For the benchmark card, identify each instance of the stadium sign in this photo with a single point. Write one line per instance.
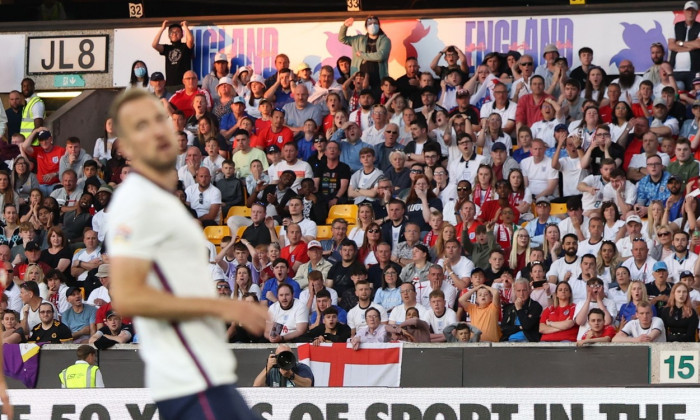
(67, 54)
(392, 403)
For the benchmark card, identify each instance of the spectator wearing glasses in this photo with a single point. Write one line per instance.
(502, 106)
(537, 226)
(653, 186)
(521, 86)
(50, 330)
(638, 165)
(465, 167)
(633, 227)
(595, 298)
(383, 150)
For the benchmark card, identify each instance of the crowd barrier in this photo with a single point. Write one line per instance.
(448, 365)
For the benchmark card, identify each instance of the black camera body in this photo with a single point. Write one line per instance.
(285, 360)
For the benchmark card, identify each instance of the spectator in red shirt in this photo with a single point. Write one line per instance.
(183, 98)
(528, 111)
(47, 156)
(295, 252)
(276, 134)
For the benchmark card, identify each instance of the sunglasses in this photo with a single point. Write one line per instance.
(222, 286)
(319, 141)
(416, 171)
(373, 231)
(390, 132)
(529, 63)
(201, 198)
(662, 234)
(462, 188)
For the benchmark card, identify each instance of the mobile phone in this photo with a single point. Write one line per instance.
(537, 284)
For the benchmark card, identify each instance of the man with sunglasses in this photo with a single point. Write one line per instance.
(384, 149)
(653, 186)
(537, 226)
(521, 87)
(626, 245)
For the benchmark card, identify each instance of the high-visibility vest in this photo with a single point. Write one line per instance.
(27, 125)
(79, 375)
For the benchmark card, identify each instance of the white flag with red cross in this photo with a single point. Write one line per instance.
(338, 365)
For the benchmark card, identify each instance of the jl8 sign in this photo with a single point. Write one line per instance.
(68, 54)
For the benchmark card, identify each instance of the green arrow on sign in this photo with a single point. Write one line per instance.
(68, 80)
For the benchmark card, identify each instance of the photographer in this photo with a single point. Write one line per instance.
(283, 371)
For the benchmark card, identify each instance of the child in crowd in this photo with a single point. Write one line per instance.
(435, 225)
(214, 160)
(306, 143)
(484, 314)
(449, 85)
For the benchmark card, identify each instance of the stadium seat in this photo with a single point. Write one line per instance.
(342, 211)
(323, 232)
(558, 208)
(216, 233)
(240, 231)
(237, 211)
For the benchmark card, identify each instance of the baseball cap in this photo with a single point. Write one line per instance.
(220, 57)
(157, 76)
(462, 93)
(498, 146)
(542, 200)
(273, 149)
(690, 5)
(302, 66)
(659, 101)
(314, 244)
(103, 271)
(71, 290)
(111, 313)
(478, 269)
(573, 203)
(550, 48)
(560, 127)
(673, 178)
(32, 246)
(105, 188)
(685, 273)
(256, 78)
(44, 135)
(238, 100)
(697, 78)
(660, 265)
(633, 218)
(696, 103)
(224, 81)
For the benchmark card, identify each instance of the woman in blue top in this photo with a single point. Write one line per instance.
(389, 295)
(636, 293)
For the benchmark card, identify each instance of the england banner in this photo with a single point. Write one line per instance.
(338, 365)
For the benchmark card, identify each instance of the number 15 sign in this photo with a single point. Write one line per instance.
(67, 54)
(679, 366)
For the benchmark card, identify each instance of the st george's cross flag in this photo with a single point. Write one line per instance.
(338, 365)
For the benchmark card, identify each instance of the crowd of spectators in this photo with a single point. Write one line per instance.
(517, 203)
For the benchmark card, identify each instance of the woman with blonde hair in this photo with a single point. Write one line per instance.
(654, 220)
(447, 232)
(636, 294)
(551, 245)
(365, 217)
(519, 251)
(36, 274)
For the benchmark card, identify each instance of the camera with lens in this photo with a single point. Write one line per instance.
(285, 360)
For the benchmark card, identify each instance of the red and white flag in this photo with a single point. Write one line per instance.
(339, 365)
